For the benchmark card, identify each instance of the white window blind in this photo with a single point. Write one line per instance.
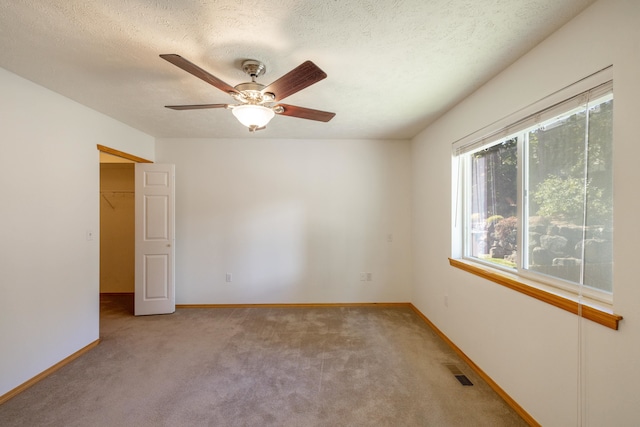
(572, 96)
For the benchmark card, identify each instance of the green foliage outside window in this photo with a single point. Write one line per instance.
(563, 199)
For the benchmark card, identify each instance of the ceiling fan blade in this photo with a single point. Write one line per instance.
(306, 113)
(295, 80)
(192, 68)
(195, 107)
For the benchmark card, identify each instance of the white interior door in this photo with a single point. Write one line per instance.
(155, 249)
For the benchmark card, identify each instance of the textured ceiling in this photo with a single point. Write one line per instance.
(393, 65)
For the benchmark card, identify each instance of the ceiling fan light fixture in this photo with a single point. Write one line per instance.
(253, 116)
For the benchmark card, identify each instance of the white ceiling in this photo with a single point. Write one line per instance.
(393, 65)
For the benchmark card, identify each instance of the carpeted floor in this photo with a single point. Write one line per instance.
(325, 366)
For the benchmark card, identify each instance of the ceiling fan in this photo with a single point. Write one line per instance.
(258, 104)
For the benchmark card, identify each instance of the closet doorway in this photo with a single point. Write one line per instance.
(117, 223)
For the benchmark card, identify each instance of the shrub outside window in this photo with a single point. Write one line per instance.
(538, 200)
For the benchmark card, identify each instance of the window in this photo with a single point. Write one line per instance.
(535, 197)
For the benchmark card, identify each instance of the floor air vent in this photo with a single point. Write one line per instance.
(458, 374)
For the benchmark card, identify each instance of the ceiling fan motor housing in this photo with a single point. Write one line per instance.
(251, 92)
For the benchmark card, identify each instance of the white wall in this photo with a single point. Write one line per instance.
(49, 178)
(293, 221)
(529, 348)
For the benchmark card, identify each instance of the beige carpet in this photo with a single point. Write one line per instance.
(355, 366)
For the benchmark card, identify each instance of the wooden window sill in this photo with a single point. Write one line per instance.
(588, 310)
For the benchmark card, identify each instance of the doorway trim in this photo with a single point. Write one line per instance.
(122, 154)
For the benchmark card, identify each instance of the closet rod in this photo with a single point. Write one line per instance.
(117, 192)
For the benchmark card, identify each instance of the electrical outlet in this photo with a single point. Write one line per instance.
(446, 300)
(363, 276)
(369, 277)
(229, 277)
